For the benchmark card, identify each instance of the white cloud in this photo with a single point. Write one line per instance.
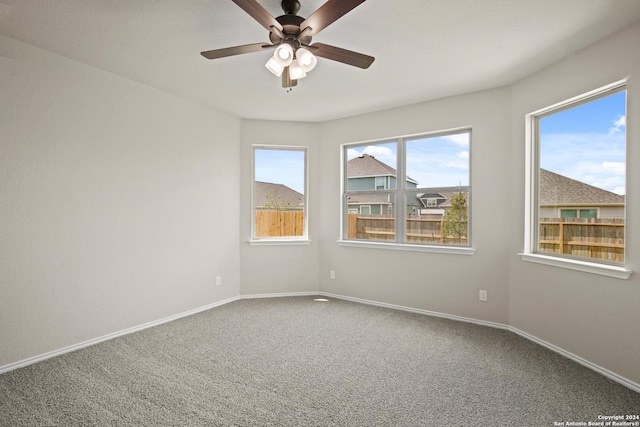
(378, 150)
(597, 159)
(463, 154)
(372, 150)
(617, 168)
(618, 125)
(458, 165)
(352, 153)
(460, 139)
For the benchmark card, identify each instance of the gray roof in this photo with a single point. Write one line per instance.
(367, 165)
(556, 189)
(289, 196)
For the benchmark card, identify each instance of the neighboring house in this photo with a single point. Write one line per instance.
(267, 195)
(364, 173)
(435, 205)
(562, 197)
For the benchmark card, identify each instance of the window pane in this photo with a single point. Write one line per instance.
(371, 217)
(428, 205)
(582, 163)
(588, 213)
(372, 167)
(446, 223)
(438, 161)
(278, 192)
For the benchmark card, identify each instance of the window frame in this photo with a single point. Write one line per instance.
(284, 240)
(532, 167)
(399, 194)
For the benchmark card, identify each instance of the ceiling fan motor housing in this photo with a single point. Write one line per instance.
(293, 33)
(291, 29)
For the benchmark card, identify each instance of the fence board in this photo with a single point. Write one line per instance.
(382, 228)
(596, 238)
(589, 238)
(272, 223)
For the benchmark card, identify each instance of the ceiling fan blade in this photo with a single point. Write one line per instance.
(327, 14)
(259, 13)
(237, 50)
(343, 55)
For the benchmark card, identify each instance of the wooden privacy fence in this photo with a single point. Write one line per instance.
(588, 238)
(272, 223)
(419, 230)
(596, 238)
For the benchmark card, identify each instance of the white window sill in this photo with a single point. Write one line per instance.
(279, 242)
(584, 266)
(454, 250)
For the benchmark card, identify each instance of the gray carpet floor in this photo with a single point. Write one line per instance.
(298, 362)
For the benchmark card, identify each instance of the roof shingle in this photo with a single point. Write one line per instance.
(557, 189)
(290, 197)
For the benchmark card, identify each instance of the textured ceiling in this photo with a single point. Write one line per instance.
(424, 49)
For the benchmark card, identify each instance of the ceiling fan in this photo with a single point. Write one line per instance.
(290, 36)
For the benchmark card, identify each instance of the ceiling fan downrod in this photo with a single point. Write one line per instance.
(290, 7)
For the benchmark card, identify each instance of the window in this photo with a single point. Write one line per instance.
(279, 196)
(577, 181)
(425, 180)
(578, 213)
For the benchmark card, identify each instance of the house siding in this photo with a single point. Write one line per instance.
(355, 184)
(612, 212)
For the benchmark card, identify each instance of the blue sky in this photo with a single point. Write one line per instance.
(280, 167)
(432, 161)
(587, 142)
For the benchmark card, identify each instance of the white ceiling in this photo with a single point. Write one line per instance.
(424, 49)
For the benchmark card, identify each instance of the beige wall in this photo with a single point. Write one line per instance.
(591, 316)
(118, 203)
(276, 269)
(435, 282)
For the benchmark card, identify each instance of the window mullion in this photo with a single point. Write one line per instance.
(401, 186)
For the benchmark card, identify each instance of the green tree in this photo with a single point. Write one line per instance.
(276, 202)
(455, 220)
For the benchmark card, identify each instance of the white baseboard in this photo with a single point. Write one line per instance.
(74, 347)
(599, 369)
(607, 373)
(417, 310)
(280, 295)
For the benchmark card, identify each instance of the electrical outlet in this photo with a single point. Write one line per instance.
(332, 274)
(483, 295)
(218, 280)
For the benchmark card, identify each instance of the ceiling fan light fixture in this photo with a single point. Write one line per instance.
(306, 59)
(296, 72)
(274, 66)
(290, 38)
(283, 54)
